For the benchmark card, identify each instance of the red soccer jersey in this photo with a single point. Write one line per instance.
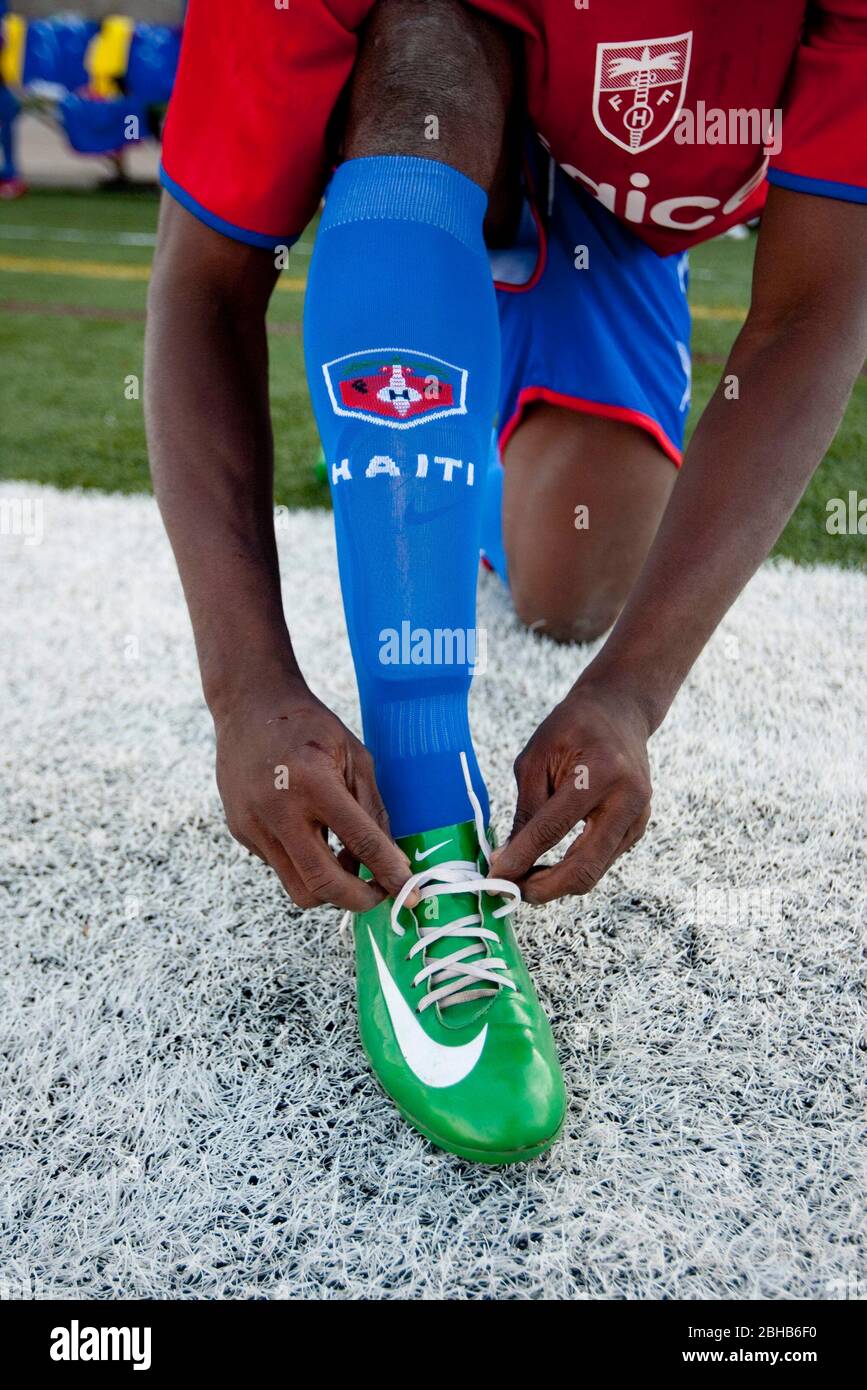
(670, 112)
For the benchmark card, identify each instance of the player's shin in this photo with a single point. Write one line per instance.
(402, 349)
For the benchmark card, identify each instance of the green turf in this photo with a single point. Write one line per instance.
(64, 417)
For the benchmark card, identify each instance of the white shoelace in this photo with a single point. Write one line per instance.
(460, 977)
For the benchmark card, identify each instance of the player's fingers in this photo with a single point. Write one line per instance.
(250, 846)
(591, 855)
(366, 793)
(347, 860)
(371, 845)
(275, 856)
(634, 833)
(323, 879)
(545, 829)
(531, 777)
(368, 797)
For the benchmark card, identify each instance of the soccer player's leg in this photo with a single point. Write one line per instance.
(583, 497)
(402, 346)
(11, 185)
(596, 385)
(403, 359)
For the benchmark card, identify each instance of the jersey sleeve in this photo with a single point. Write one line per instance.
(823, 146)
(245, 139)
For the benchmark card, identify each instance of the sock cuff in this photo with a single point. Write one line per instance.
(405, 188)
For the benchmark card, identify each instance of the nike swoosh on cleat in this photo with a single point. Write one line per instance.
(421, 854)
(433, 1063)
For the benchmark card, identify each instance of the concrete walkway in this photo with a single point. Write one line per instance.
(47, 161)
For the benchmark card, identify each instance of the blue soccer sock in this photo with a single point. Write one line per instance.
(8, 169)
(402, 348)
(493, 544)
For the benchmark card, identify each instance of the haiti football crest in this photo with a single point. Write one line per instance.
(395, 387)
(639, 88)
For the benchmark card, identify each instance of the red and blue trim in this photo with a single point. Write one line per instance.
(219, 224)
(822, 188)
(531, 394)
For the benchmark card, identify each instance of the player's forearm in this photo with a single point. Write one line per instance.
(210, 447)
(747, 466)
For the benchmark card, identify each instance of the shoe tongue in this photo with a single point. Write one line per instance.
(432, 847)
(425, 851)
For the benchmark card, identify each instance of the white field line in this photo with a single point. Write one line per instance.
(84, 236)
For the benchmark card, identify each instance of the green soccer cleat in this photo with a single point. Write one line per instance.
(448, 1014)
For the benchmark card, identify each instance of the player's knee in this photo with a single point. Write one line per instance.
(554, 615)
(432, 78)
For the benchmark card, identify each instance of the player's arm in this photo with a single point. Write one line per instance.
(209, 436)
(795, 362)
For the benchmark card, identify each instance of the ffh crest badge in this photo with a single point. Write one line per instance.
(395, 387)
(639, 89)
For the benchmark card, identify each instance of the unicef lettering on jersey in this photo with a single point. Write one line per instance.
(636, 204)
(666, 142)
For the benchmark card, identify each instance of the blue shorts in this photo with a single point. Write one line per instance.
(610, 339)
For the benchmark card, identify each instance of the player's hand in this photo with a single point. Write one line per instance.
(288, 771)
(587, 761)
